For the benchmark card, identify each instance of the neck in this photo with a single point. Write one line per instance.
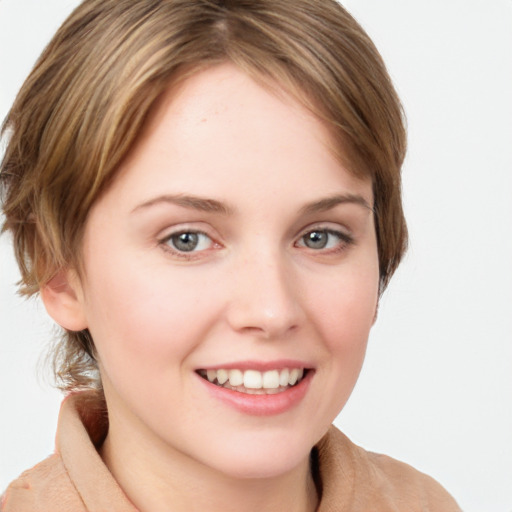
(156, 478)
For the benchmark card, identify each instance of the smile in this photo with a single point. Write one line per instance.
(254, 382)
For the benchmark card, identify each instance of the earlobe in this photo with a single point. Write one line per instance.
(63, 300)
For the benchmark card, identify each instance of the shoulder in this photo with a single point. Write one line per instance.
(363, 480)
(412, 486)
(46, 486)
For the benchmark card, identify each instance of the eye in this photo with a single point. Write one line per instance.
(318, 239)
(189, 241)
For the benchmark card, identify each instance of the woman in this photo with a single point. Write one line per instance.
(207, 197)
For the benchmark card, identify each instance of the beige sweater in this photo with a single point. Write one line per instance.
(75, 479)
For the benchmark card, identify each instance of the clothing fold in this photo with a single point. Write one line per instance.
(75, 479)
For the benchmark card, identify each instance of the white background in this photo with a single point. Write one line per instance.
(436, 390)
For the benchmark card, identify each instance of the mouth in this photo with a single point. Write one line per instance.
(254, 382)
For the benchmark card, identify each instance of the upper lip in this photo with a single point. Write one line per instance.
(261, 366)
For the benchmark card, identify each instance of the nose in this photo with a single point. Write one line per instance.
(265, 298)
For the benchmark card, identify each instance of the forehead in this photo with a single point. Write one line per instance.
(220, 127)
(221, 92)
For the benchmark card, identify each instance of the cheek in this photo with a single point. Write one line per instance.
(346, 307)
(140, 319)
(344, 314)
(345, 318)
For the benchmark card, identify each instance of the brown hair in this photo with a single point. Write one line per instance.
(82, 107)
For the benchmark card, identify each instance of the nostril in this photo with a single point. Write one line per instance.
(265, 300)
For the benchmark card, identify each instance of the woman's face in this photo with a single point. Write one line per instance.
(232, 245)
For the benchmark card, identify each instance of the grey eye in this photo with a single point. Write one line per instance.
(319, 239)
(316, 239)
(189, 241)
(185, 242)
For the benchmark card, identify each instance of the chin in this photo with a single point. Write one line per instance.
(262, 457)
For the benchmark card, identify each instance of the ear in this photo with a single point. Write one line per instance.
(63, 299)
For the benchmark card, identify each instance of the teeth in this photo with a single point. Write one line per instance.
(236, 378)
(294, 375)
(284, 375)
(222, 376)
(255, 380)
(271, 379)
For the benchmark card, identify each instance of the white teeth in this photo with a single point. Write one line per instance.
(236, 377)
(253, 379)
(270, 381)
(294, 375)
(222, 376)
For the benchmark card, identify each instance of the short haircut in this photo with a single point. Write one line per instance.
(83, 106)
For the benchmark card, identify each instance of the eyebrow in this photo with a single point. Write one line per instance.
(188, 201)
(329, 203)
(214, 206)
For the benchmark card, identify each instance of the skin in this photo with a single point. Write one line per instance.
(251, 291)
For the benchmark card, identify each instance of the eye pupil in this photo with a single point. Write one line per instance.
(185, 242)
(316, 239)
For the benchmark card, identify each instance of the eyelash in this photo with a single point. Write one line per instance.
(186, 255)
(345, 240)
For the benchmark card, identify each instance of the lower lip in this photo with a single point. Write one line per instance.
(261, 405)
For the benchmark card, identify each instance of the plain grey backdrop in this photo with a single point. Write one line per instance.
(436, 389)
